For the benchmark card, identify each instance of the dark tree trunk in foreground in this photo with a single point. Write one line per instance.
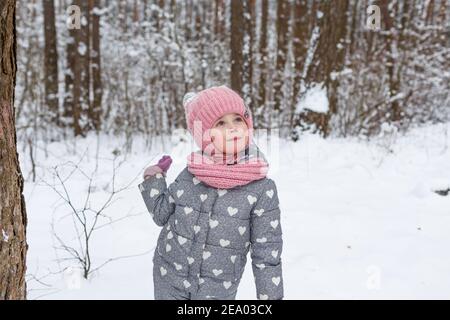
(13, 246)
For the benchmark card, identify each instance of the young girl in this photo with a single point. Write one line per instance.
(219, 207)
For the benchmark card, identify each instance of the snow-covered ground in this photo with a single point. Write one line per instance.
(360, 219)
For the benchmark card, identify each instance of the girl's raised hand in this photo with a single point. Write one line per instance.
(164, 163)
(161, 167)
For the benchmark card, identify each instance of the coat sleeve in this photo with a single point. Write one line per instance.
(158, 198)
(267, 244)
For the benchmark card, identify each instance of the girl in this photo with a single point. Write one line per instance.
(219, 207)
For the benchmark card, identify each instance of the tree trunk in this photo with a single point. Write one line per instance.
(263, 63)
(51, 60)
(391, 42)
(95, 64)
(237, 38)
(282, 50)
(13, 219)
(249, 27)
(300, 48)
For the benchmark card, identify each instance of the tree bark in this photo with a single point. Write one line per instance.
(51, 60)
(13, 219)
(95, 64)
(237, 38)
(282, 50)
(262, 62)
(249, 27)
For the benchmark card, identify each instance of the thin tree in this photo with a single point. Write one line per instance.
(282, 21)
(95, 65)
(263, 56)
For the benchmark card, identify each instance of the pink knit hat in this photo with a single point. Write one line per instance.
(205, 107)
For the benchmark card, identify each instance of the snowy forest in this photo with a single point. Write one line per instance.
(339, 68)
(351, 99)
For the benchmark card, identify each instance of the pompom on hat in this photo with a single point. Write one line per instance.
(203, 108)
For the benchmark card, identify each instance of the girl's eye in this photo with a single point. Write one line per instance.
(220, 123)
(239, 119)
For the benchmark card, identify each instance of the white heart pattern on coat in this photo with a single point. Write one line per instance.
(275, 253)
(227, 284)
(213, 223)
(178, 266)
(261, 240)
(263, 296)
(276, 280)
(242, 230)
(181, 240)
(169, 235)
(217, 272)
(203, 197)
(221, 192)
(195, 181)
(232, 211)
(163, 271)
(187, 210)
(274, 224)
(168, 247)
(206, 255)
(180, 193)
(224, 242)
(251, 199)
(186, 284)
(269, 193)
(153, 192)
(258, 212)
(190, 260)
(233, 258)
(196, 229)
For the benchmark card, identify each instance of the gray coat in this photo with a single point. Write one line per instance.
(207, 233)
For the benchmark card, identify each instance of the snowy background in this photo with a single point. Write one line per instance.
(359, 96)
(360, 218)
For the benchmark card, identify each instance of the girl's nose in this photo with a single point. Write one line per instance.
(231, 127)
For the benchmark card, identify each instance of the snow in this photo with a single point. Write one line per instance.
(314, 99)
(99, 11)
(360, 219)
(82, 48)
(5, 236)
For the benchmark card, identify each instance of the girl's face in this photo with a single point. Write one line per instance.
(229, 133)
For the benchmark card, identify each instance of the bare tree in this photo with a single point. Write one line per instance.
(87, 219)
(13, 219)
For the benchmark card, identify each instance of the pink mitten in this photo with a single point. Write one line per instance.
(164, 163)
(151, 171)
(162, 167)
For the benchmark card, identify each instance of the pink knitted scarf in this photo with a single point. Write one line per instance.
(225, 172)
